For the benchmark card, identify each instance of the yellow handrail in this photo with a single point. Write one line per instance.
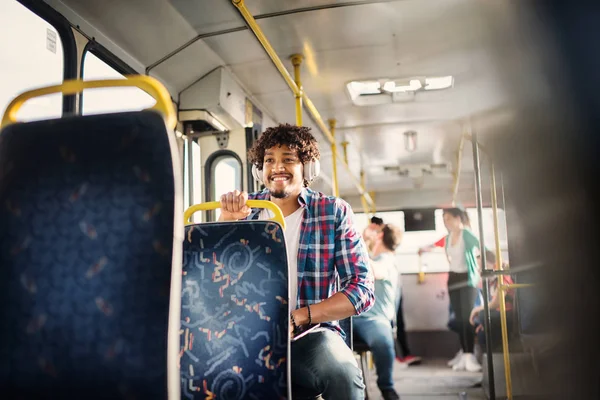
(504, 329)
(213, 205)
(308, 104)
(456, 176)
(296, 62)
(148, 84)
(334, 176)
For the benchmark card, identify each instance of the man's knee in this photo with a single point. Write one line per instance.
(331, 362)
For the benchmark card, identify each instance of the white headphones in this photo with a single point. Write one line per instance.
(311, 171)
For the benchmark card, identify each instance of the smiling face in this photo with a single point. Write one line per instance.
(282, 172)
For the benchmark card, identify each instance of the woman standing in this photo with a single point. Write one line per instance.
(462, 248)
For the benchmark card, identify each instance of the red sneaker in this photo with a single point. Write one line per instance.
(409, 360)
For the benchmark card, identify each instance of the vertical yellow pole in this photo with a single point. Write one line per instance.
(456, 181)
(421, 274)
(362, 197)
(501, 287)
(296, 62)
(495, 213)
(345, 148)
(373, 206)
(503, 326)
(334, 179)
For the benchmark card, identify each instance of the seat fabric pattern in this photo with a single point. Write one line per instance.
(234, 328)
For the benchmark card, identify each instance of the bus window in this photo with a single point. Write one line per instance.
(31, 56)
(192, 177)
(98, 101)
(436, 260)
(226, 176)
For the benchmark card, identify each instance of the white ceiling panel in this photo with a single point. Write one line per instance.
(147, 29)
(370, 40)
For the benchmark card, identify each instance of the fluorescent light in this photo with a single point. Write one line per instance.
(364, 88)
(413, 85)
(439, 82)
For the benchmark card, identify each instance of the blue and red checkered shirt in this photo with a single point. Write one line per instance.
(329, 247)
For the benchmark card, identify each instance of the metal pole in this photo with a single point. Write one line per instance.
(334, 178)
(362, 198)
(345, 147)
(455, 184)
(503, 323)
(296, 62)
(504, 330)
(495, 214)
(486, 283)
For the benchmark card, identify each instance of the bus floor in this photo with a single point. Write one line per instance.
(431, 379)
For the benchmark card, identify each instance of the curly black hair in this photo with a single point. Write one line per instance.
(298, 138)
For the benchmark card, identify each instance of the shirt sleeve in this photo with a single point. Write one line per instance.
(351, 260)
(441, 242)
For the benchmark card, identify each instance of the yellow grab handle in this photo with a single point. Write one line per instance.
(213, 205)
(148, 84)
(421, 275)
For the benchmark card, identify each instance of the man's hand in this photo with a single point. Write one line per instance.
(233, 206)
(474, 314)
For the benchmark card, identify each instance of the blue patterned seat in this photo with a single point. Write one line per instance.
(88, 244)
(234, 318)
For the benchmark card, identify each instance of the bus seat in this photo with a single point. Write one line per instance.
(90, 237)
(234, 316)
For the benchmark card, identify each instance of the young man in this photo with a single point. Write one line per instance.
(322, 243)
(374, 327)
(403, 354)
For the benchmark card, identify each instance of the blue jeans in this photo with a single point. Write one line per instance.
(322, 363)
(377, 334)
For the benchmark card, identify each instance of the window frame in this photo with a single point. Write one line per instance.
(104, 55)
(67, 38)
(209, 172)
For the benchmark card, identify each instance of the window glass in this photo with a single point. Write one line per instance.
(106, 100)
(31, 56)
(226, 173)
(436, 260)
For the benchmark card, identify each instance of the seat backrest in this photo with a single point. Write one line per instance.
(234, 316)
(90, 237)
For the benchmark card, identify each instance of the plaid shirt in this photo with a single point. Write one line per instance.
(329, 247)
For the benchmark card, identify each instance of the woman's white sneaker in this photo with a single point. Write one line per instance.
(461, 364)
(456, 359)
(471, 363)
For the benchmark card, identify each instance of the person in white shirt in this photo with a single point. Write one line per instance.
(374, 327)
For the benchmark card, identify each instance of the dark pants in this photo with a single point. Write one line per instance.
(462, 299)
(401, 332)
(377, 334)
(322, 363)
